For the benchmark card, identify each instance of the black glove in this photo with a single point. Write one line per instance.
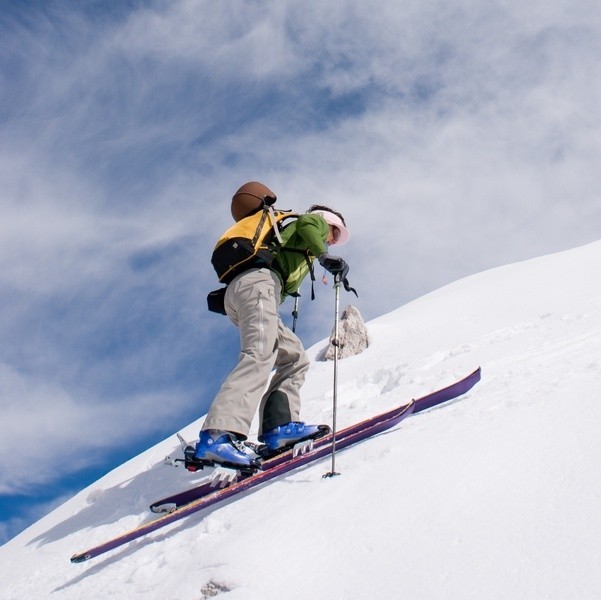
(338, 267)
(334, 264)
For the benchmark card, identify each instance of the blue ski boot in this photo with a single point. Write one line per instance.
(291, 433)
(219, 448)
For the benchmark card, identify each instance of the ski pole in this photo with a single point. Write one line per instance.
(295, 313)
(335, 343)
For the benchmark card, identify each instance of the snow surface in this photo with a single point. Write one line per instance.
(496, 495)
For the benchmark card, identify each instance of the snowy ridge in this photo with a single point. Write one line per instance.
(494, 496)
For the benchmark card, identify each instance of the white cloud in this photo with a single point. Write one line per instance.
(452, 137)
(47, 431)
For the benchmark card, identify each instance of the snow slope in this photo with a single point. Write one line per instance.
(496, 495)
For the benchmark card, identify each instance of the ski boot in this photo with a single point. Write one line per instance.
(284, 436)
(219, 448)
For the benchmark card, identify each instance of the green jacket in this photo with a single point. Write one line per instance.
(307, 233)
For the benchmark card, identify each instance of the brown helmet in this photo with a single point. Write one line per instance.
(249, 198)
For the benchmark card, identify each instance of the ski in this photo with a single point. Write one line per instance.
(179, 499)
(285, 463)
(243, 485)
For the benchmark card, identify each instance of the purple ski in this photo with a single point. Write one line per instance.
(284, 463)
(179, 499)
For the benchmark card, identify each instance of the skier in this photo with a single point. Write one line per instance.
(251, 302)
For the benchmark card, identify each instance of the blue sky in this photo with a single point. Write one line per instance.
(453, 137)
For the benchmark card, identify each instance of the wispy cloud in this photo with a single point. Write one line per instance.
(49, 430)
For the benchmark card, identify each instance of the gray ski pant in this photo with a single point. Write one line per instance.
(251, 301)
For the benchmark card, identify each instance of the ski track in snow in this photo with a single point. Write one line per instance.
(495, 495)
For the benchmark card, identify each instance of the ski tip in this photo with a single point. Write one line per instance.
(474, 377)
(79, 558)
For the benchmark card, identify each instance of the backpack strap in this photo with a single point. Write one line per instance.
(260, 225)
(276, 228)
(307, 256)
